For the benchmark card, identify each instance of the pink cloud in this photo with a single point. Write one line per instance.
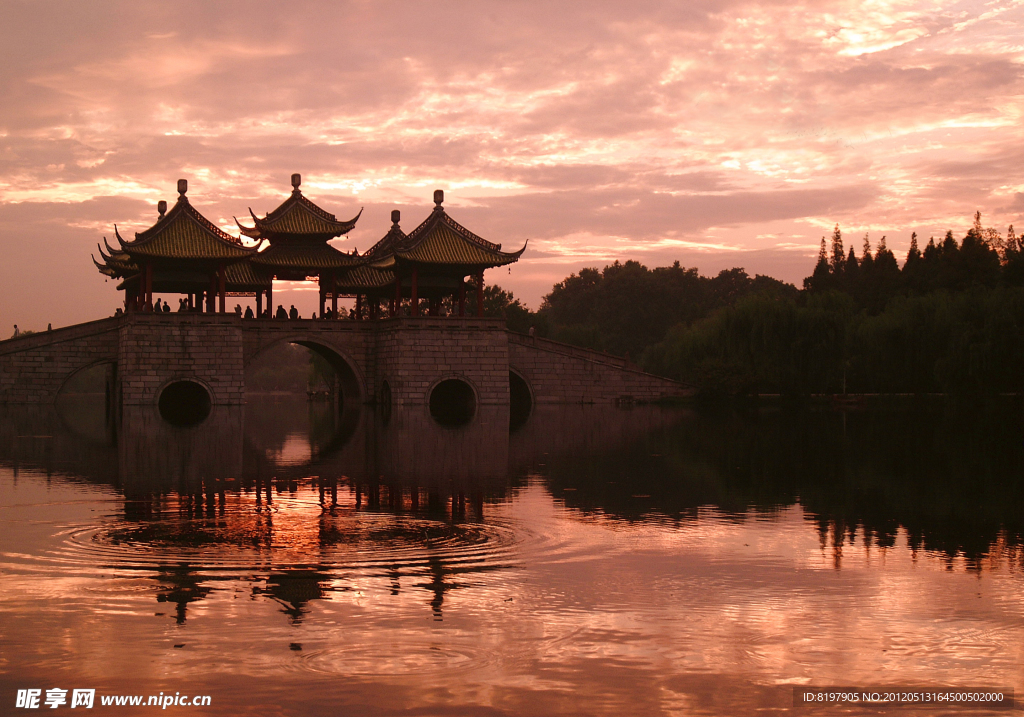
(709, 132)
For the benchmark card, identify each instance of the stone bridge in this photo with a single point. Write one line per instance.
(395, 361)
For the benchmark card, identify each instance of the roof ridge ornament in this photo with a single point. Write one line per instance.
(438, 198)
(296, 181)
(161, 207)
(396, 216)
(182, 188)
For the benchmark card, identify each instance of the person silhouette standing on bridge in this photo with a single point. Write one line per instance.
(16, 332)
(281, 313)
(157, 309)
(294, 313)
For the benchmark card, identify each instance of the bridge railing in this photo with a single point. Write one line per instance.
(65, 333)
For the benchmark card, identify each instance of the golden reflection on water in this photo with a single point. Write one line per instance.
(599, 562)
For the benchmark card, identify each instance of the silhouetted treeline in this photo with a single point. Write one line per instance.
(983, 258)
(950, 320)
(625, 308)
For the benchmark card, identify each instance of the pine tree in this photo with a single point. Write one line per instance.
(821, 279)
(914, 253)
(838, 255)
(912, 267)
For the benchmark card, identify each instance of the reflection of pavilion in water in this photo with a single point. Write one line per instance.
(401, 496)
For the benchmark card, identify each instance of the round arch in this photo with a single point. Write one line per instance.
(109, 363)
(184, 400)
(350, 378)
(521, 398)
(452, 399)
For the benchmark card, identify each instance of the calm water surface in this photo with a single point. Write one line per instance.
(287, 561)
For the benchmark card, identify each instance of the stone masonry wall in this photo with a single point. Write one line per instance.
(411, 354)
(155, 349)
(559, 373)
(415, 354)
(34, 368)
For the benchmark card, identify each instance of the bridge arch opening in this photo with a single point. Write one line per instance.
(452, 402)
(87, 401)
(302, 366)
(520, 400)
(184, 403)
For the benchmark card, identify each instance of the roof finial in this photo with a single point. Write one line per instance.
(296, 181)
(182, 186)
(161, 207)
(438, 197)
(395, 217)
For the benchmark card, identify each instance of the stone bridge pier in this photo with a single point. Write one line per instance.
(399, 362)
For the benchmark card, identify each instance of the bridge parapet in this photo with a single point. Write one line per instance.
(561, 373)
(33, 368)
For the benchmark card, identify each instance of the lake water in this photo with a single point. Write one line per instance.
(285, 560)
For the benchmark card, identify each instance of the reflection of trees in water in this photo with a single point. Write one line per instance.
(39, 437)
(949, 477)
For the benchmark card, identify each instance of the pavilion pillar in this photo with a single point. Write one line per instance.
(148, 300)
(211, 295)
(415, 295)
(359, 307)
(259, 303)
(396, 303)
(462, 296)
(270, 299)
(323, 296)
(223, 288)
(435, 305)
(334, 297)
(480, 293)
(374, 305)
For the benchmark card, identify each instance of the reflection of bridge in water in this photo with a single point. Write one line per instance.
(390, 496)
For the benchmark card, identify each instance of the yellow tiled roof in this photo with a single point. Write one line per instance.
(364, 277)
(185, 234)
(245, 274)
(442, 240)
(386, 246)
(313, 256)
(297, 215)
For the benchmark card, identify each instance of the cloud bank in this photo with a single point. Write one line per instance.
(715, 132)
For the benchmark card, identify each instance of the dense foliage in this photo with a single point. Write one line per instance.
(949, 320)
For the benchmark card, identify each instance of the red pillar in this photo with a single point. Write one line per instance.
(323, 296)
(415, 296)
(270, 299)
(374, 305)
(462, 296)
(147, 294)
(222, 276)
(359, 307)
(435, 305)
(480, 294)
(259, 303)
(211, 306)
(334, 297)
(396, 303)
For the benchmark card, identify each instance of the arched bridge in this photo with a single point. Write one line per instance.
(401, 359)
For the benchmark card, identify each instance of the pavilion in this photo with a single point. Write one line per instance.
(298, 232)
(431, 262)
(183, 253)
(186, 253)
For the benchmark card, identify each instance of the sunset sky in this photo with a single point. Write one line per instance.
(713, 132)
